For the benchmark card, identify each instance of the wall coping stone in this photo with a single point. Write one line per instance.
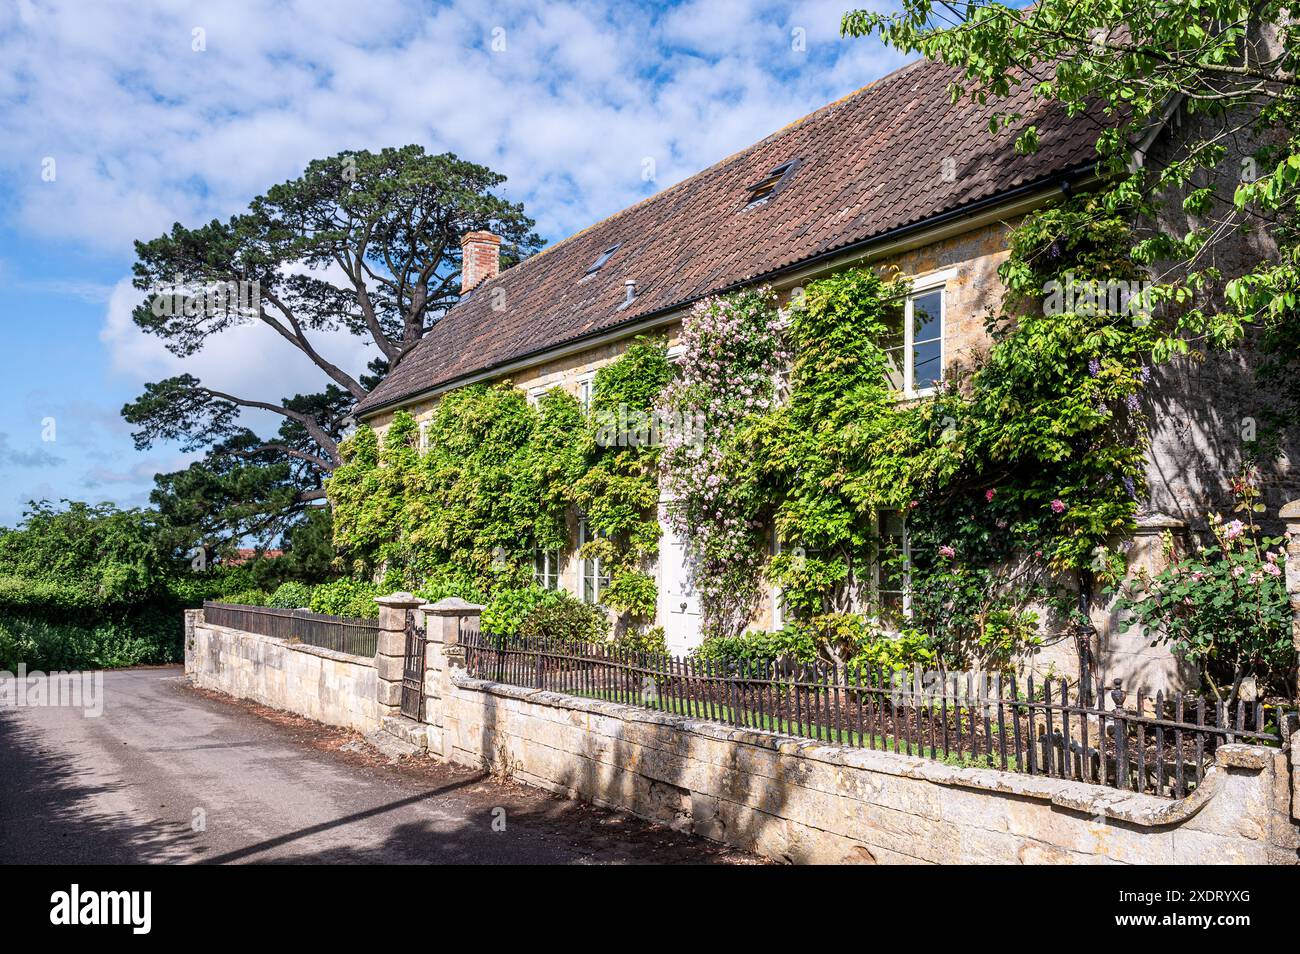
(1290, 511)
(1147, 811)
(451, 606)
(307, 648)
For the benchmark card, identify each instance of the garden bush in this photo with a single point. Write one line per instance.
(1224, 606)
(291, 595)
(252, 597)
(567, 620)
(840, 639)
(761, 646)
(147, 638)
(508, 608)
(346, 598)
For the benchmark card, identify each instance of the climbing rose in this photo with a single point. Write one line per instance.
(988, 494)
(1233, 530)
(947, 552)
(1058, 505)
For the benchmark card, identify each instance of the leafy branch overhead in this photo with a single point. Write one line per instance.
(1221, 77)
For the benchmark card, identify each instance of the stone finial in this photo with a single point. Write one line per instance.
(1290, 511)
(400, 600)
(393, 610)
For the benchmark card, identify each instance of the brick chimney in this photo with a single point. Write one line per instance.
(480, 259)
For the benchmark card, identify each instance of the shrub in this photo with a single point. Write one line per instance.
(436, 590)
(291, 596)
(569, 620)
(653, 640)
(247, 598)
(508, 608)
(761, 646)
(1224, 607)
(839, 638)
(346, 598)
(147, 638)
(897, 653)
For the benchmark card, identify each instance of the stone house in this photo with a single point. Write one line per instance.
(894, 176)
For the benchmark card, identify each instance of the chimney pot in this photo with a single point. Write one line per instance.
(629, 288)
(480, 259)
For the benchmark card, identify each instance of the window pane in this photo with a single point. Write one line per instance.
(891, 592)
(894, 368)
(893, 321)
(926, 316)
(891, 609)
(928, 365)
(782, 386)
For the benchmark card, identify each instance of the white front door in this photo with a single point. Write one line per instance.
(679, 606)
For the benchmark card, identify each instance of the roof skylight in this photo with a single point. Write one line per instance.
(600, 261)
(766, 187)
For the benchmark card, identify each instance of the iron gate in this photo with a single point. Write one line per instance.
(413, 671)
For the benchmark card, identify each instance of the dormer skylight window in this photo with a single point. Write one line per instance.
(770, 184)
(600, 261)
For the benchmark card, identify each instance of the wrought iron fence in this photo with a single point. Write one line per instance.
(344, 634)
(1159, 744)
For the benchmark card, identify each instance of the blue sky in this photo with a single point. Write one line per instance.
(141, 129)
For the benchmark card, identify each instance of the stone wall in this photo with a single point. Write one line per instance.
(789, 799)
(795, 800)
(330, 687)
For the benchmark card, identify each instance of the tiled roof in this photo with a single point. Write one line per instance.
(868, 164)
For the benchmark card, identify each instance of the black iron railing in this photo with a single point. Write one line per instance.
(344, 634)
(1159, 744)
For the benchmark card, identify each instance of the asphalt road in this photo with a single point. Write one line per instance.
(167, 774)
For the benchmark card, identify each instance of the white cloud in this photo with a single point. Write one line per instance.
(146, 131)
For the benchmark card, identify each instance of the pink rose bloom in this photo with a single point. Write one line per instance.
(947, 552)
(988, 494)
(1272, 569)
(1238, 572)
(1234, 530)
(1058, 505)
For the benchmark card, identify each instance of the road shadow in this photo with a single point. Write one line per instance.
(48, 814)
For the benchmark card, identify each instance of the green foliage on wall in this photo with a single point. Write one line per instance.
(619, 491)
(821, 458)
(501, 479)
(1014, 477)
